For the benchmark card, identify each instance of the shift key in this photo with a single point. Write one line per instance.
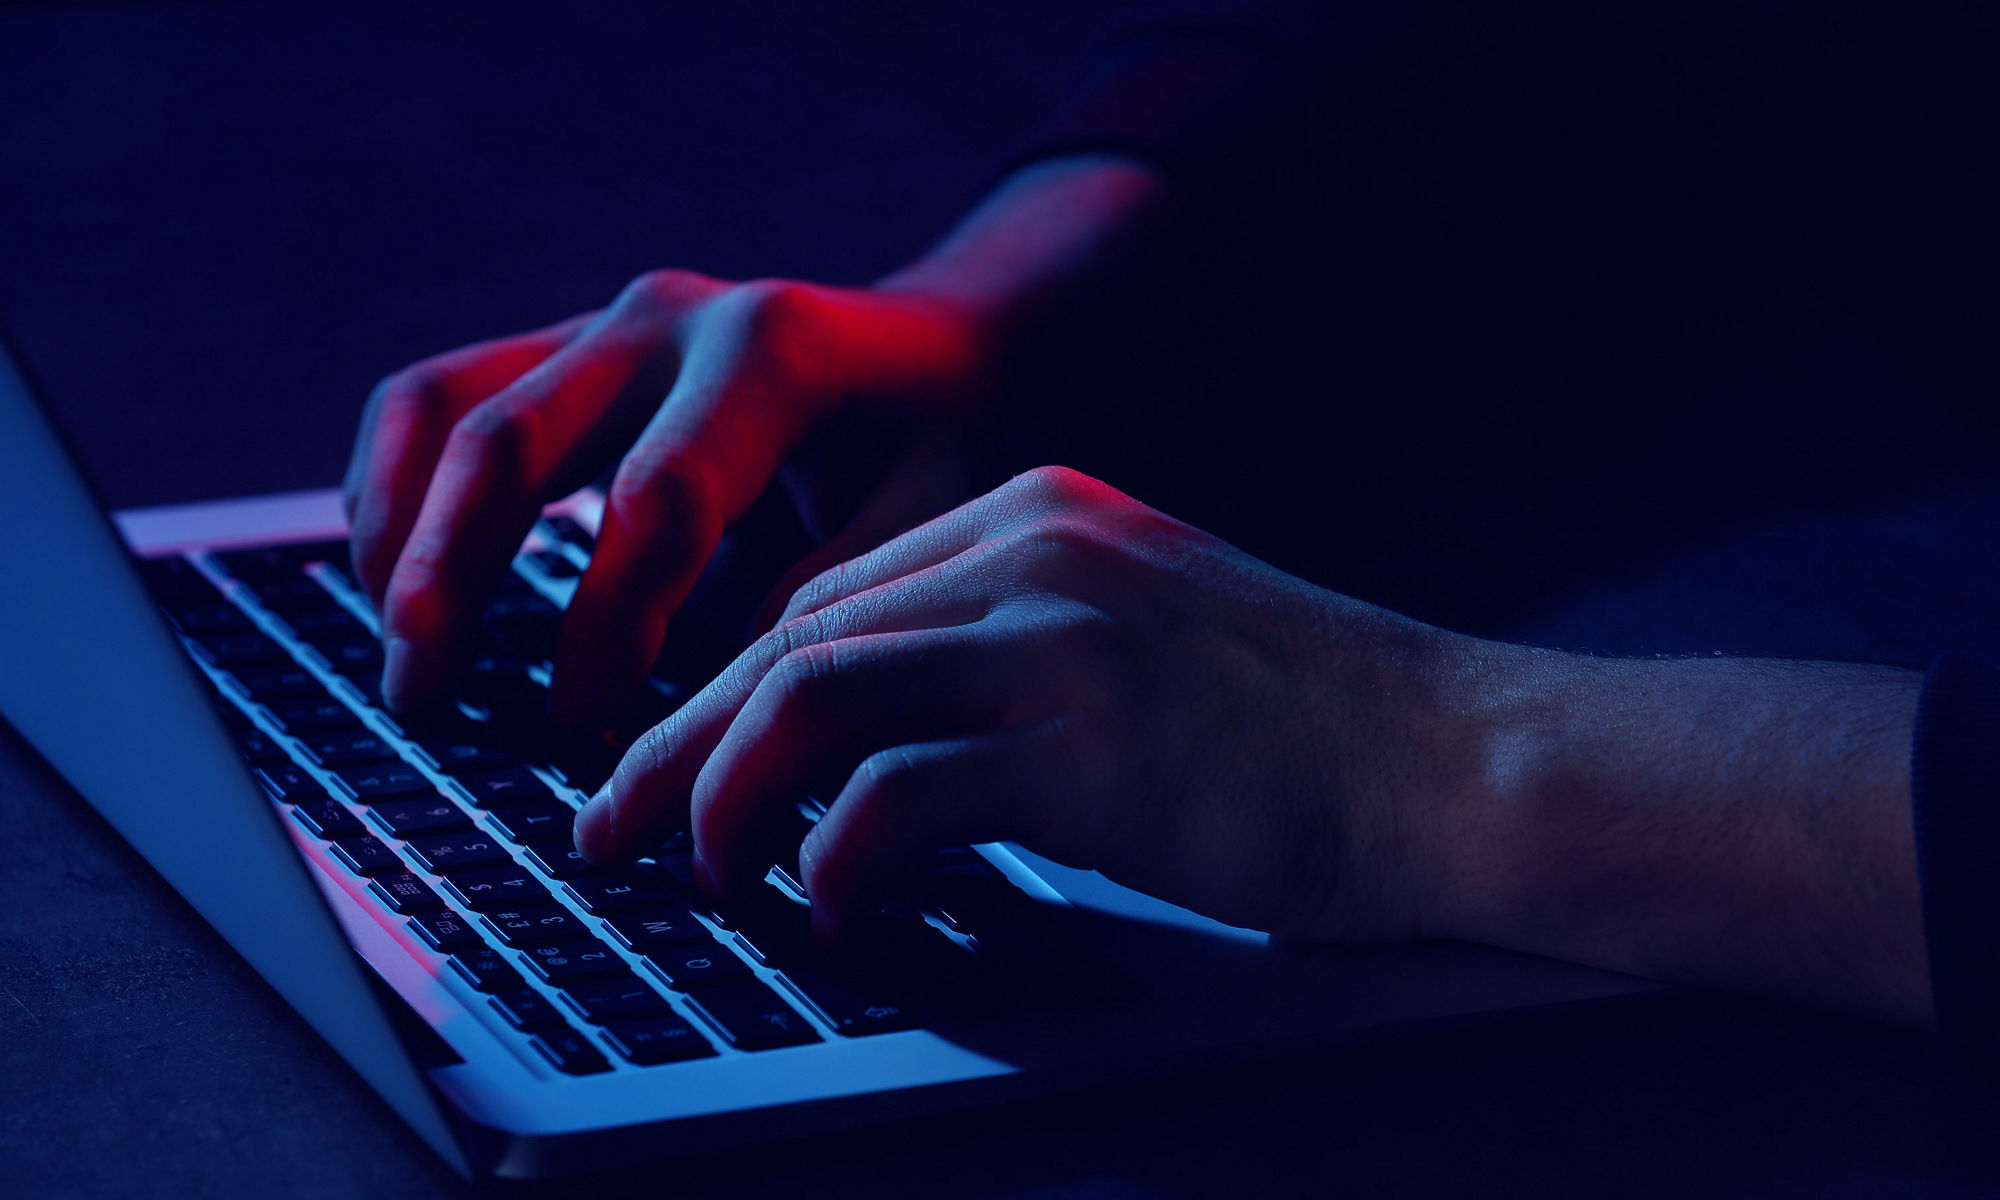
(751, 1016)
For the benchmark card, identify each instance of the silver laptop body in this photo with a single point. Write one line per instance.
(103, 687)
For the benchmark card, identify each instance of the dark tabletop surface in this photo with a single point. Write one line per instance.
(221, 223)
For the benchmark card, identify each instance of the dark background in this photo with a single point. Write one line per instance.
(220, 224)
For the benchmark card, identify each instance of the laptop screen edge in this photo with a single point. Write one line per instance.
(90, 664)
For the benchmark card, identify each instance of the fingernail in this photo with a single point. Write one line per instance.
(403, 667)
(597, 828)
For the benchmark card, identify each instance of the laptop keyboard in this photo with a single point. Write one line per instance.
(461, 829)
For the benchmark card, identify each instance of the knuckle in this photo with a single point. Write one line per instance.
(493, 440)
(797, 634)
(1054, 542)
(412, 606)
(666, 493)
(771, 302)
(1052, 484)
(646, 759)
(888, 781)
(815, 593)
(412, 389)
(666, 287)
(808, 675)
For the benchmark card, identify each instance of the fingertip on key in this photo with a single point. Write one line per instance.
(597, 829)
(408, 676)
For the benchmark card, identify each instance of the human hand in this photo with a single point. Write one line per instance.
(700, 390)
(1057, 664)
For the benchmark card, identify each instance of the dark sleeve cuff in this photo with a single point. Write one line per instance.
(1955, 793)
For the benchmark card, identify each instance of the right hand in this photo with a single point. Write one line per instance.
(700, 390)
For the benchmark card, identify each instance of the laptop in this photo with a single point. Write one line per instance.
(205, 676)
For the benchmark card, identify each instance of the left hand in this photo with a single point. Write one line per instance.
(1057, 664)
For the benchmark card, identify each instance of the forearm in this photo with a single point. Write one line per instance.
(1047, 226)
(1736, 823)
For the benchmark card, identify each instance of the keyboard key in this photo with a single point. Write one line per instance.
(209, 619)
(267, 684)
(784, 882)
(619, 891)
(444, 930)
(461, 759)
(413, 815)
(289, 783)
(751, 1016)
(851, 1013)
(507, 785)
(492, 672)
(368, 688)
(487, 969)
(613, 997)
(544, 820)
(349, 749)
(176, 581)
(326, 624)
(384, 781)
(527, 625)
(353, 658)
(517, 712)
(232, 716)
(536, 924)
(260, 564)
(560, 859)
(560, 962)
(516, 598)
(289, 594)
(328, 818)
(512, 585)
(646, 928)
(259, 750)
(694, 965)
(569, 529)
(301, 717)
(674, 868)
(227, 651)
(526, 1009)
(404, 893)
(502, 885)
(555, 564)
(367, 855)
(774, 930)
(570, 1052)
(331, 551)
(584, 761)
(444, 853)
(665, 1038)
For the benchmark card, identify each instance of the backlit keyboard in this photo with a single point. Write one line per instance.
(461, 829)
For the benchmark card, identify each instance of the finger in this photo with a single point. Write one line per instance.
(743, 400)
(651, 789)
(926, 483)
(907, 801)
(835, 703)
(1012, 505)
(403, 429)
(550, 429)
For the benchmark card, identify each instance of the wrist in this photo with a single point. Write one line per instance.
(1044, 226)
(1500, 747)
